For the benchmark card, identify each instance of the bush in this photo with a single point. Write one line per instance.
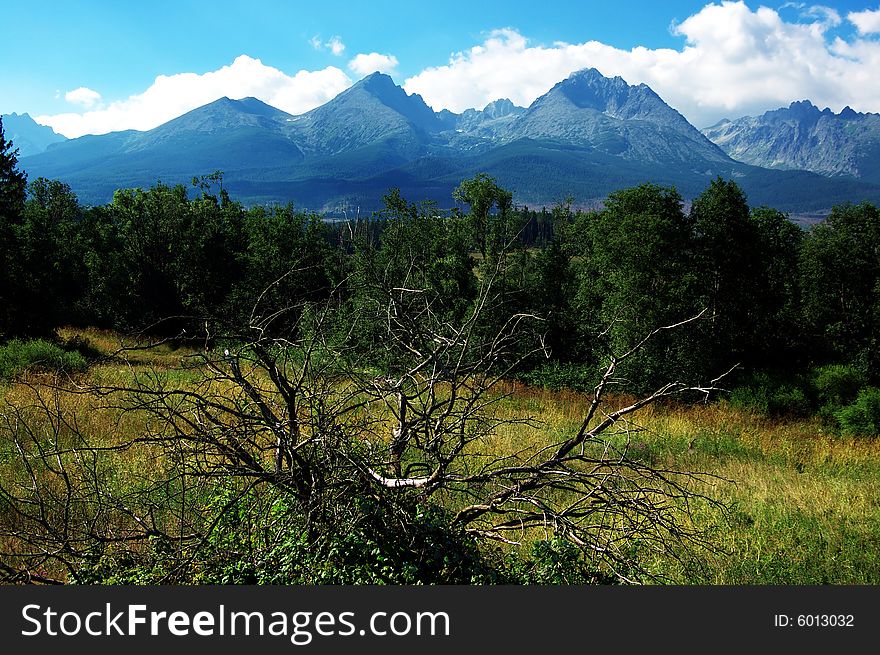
(262, 539)
(18, 355)
(834, 386)
(559, 375)
(862, 418)
(837, 384)
(418, 545)
(771, 396)
(553, 562)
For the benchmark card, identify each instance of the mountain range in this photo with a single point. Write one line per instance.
(584, 138)
(801, 137)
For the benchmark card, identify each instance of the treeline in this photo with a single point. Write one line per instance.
(794, 313)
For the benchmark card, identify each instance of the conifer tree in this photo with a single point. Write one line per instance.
(12, 196)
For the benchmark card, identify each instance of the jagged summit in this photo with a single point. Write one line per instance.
(803, 137)
(373, 111)
(613, 116)
(500, 108)
(27, 135)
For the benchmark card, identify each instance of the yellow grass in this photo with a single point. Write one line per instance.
(804, 502)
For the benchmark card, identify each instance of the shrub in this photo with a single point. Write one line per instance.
(18, 355)
(833, 386)
(262, 539)
(862, 417)
(837, 384)
(553, 562)
(560, 375)
(771, 396)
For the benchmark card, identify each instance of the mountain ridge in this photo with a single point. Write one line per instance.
(803, 137)
(27, 135)
(587, 136)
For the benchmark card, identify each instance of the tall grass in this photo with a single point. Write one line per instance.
(803, 501)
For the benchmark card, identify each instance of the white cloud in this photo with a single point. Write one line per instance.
(734, 61)
(334, 44)
(364, 64)
(866, 22)
(170, 96)
(337, 47)
(83, 96)
(826, 15)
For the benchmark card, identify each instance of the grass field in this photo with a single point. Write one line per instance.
(802, 503)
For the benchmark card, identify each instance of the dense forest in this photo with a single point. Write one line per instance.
(721, 300)
(779, 304)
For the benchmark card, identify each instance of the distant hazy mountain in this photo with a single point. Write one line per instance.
(28, 136)
(493, 120)
(805, 138)
(588, 136)
(228, 135)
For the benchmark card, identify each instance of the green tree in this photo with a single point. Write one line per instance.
(152, 225)
(108, 290)
(209, 251)
(492, 231)
(13, 182)
(555, 287)
(12, 197)
(728, 264)
(418, 249)
(174, 259)
(284, 262)
(497, 229)
(840, 280)
(50, 277)
(636, 275)
(777, 341)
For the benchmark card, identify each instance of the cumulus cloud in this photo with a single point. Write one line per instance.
(172, 95)
(83, 96)
(364, 64)
(734, 61)
(866, 22)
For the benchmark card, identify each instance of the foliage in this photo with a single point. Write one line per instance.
(491, 232)
(634, 276)
(775, 340)
(554, 562)
(12, 196)
(372, 544)
(558, 375)
(285, 260)
(833, 386)
(771, 395)
(420, 250)
(840, 278)
(862, 417)
(17, 356)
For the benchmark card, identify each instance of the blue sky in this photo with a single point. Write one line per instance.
(91, 66)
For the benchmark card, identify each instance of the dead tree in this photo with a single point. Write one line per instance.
(303, 415)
